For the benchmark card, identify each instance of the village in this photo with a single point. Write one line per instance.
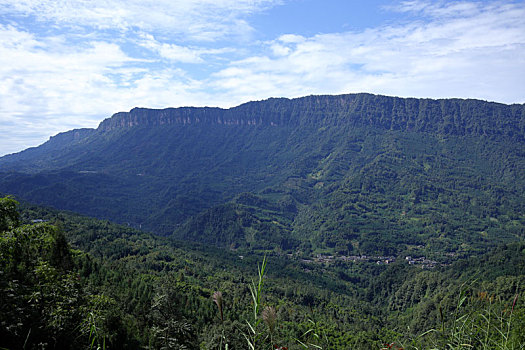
(422, 262)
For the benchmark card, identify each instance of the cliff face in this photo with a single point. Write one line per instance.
(447, 116)
(155, 117)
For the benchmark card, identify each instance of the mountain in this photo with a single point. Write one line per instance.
(348, 174)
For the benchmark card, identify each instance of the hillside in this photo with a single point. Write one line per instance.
(118, 288)
(349, 174)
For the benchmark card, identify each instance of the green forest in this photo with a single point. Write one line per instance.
(351, 174)
(324, 222)
(74, 282)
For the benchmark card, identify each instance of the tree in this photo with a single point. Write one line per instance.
(9, 217)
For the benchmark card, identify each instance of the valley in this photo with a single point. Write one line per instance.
(380, 220)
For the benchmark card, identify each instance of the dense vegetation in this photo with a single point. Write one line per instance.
(115, 287)
(382, 223)
(350, 174)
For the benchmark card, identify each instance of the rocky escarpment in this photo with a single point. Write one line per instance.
(445, 116)
(184, 116)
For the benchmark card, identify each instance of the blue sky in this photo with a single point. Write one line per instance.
(67, 64)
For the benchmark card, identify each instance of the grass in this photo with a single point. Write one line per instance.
(482, 321)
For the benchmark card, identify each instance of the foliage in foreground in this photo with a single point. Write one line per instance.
(133, 290)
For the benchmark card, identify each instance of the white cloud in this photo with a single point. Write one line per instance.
(71, 63)
(47, 73)
(461, 49)
(187, 19)
(440, 8)
(178, 53)
(49, 86)
(291, 38)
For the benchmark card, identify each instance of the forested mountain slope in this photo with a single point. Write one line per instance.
(350, 174)
(115, 287)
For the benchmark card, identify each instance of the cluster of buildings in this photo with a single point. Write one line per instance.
(424, 262)
(328, 259)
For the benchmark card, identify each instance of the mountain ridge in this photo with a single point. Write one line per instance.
(446, 116)
(348, 173)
